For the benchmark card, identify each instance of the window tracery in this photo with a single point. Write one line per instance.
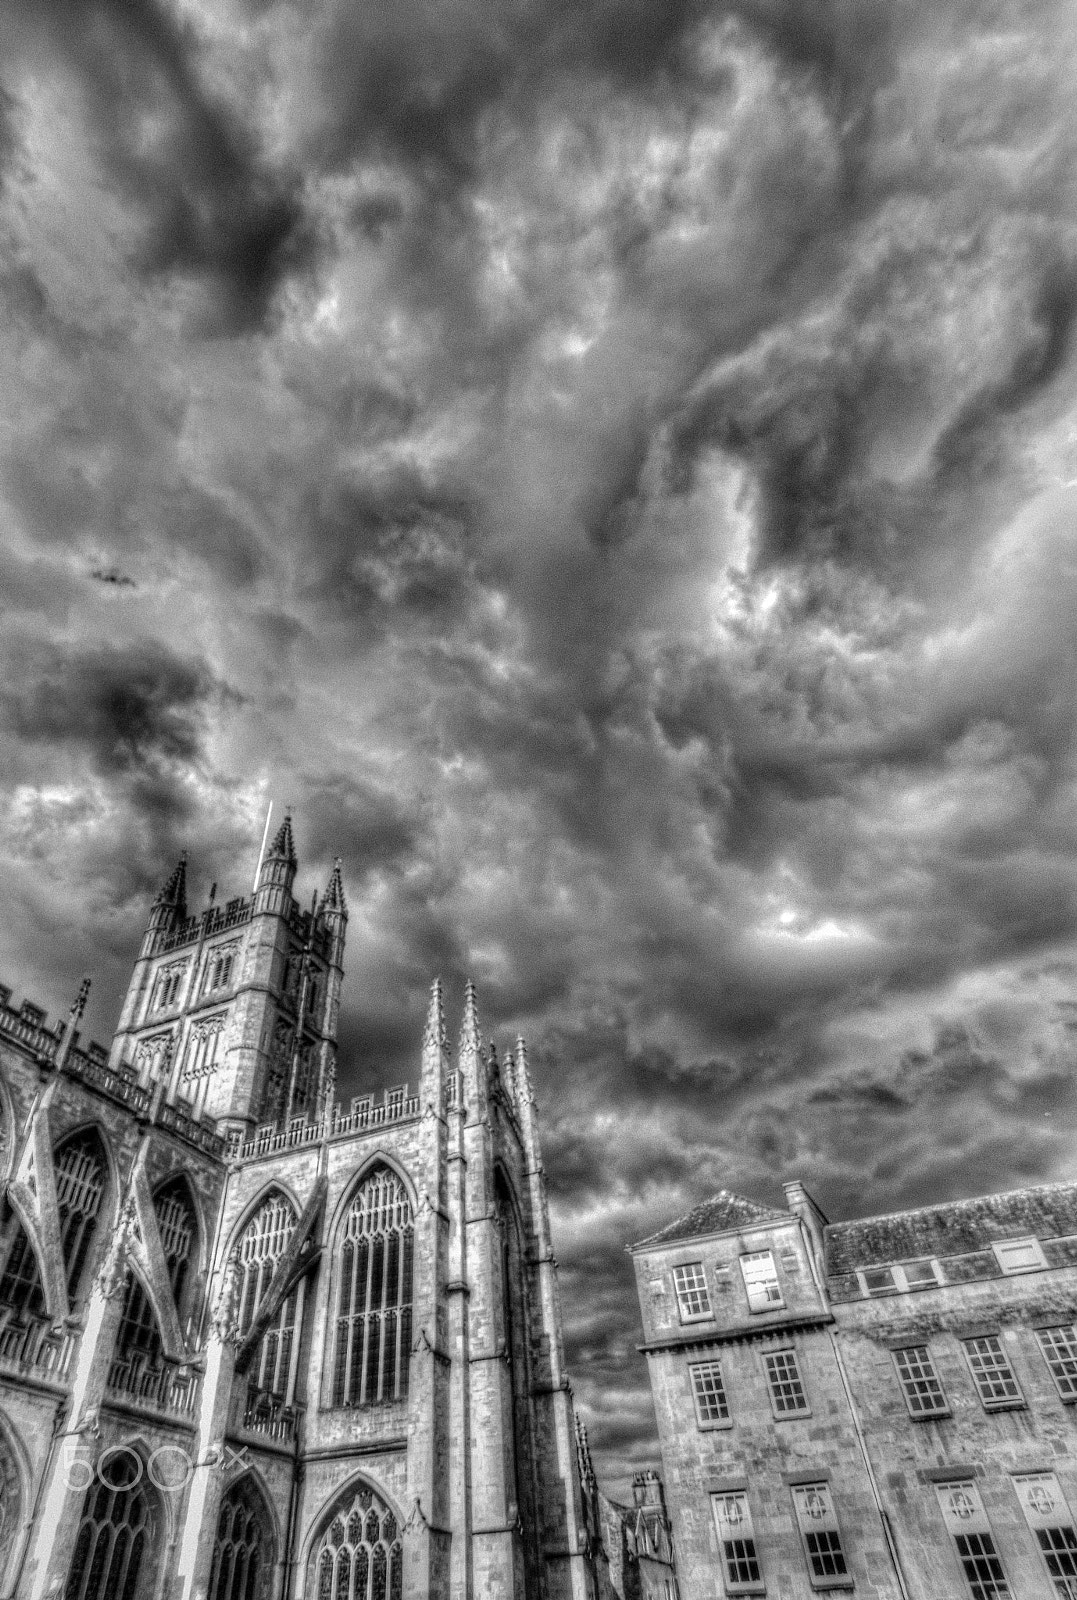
(138, 1365)
(243, 1552)
(262, 1244)
(374, 1264)
(359, 1556)
(114, 1531)
(203, 1048)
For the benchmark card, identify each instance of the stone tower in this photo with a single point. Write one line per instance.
(233, 1012)
(258, 1346)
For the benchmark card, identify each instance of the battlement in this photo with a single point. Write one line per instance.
(214, 919)
(235, 914)
(397, 1106)
(28, 1027)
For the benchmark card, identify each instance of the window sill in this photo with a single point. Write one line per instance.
(697, 1316)
(792, 1416)
(819, 1585)
(929, 1416)
(1005, 1405)
(746, 1588)
(714, 1427)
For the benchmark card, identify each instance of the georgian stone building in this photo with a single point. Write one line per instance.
(885, 1405)
(256, 1346)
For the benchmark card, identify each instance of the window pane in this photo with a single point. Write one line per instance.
(733, 1520)
(982, 1567)
(709, 1392)
(919, 1382)
(691, 1286)
(1059, 1346)
(761, 1280)
(786, 1389)
(992, 1372)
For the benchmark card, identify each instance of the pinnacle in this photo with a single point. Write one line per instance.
(523, 1072)
(470, 1038)
(434, 1032)
(174, 892)
(283, 846)
(333, 899)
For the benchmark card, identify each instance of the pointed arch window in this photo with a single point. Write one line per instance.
(243, 1552)
(219, 965)
(138, 1365)
(359, 1556)
(261, 1246)
(114, 1532)
(374, 1268)
(80, 1186)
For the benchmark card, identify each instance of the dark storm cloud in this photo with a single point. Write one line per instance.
(210, 205)
(635, 507)
(129, 708)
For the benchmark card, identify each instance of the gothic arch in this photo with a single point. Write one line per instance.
(503, 1180)
(371, 1289)
(247, 1542)
(261, 1243)
(28, 1279)
(376, 1158)
(346, 1513)
(166, 1225)
(124, 1526)
(253, 1206)
(109, 1204)
(111, 1197)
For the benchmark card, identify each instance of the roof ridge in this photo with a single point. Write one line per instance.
(964, 1200)
(707, 1217)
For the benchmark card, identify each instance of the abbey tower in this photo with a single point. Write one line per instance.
(258, 1346)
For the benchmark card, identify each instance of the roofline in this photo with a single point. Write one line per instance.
(965, 1200)
(655, 1243)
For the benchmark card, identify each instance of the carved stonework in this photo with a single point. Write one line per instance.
(113, 1273)
(152, 1056)
(202, 1048)
(226, 1311)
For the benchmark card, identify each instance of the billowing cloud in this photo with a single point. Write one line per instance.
(612, 469)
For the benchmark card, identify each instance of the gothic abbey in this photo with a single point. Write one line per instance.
(254, 1346)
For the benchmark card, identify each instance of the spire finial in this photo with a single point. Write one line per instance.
(173, 892)
(333, 898)
(283, 846)
(469, 1030)
(434, 1032)
(523, 1072)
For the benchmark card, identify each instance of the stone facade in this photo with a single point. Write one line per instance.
(254, 1346)
(885, 1405)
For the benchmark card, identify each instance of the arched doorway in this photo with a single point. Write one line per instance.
(359, 1555)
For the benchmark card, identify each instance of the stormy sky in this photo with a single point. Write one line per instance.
(611, 467)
